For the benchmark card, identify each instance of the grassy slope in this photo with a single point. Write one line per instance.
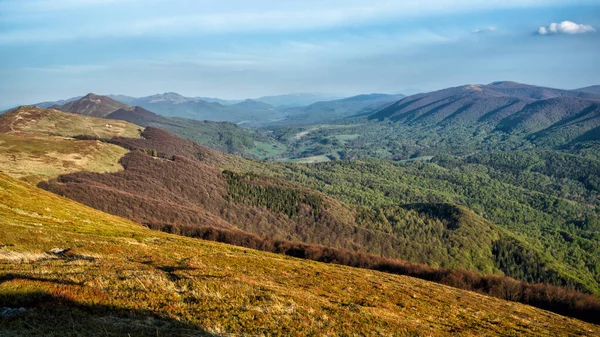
(33, 146)
(30, 119)
(40, 158)
(119, 274)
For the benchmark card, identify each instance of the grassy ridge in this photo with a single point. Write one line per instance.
(29, 119)
(40, 158)
(118, 274)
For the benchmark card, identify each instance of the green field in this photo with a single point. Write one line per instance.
(267, 150)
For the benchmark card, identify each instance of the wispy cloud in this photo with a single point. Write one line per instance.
(69, 68)
(566, 27)
(489, 29)
(84, 19)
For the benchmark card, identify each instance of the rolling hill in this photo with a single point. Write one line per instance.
(163, 174)
(178, 186)
(222, 136)
(148, 192)
(460, 120)
(50, 122)
(555, 121)
(594, 89)
(91, 273)
(36, 158)
(296, 100)
(175, 105)
(475, 104)
(92, 105)
(36, 143)
(327, 111)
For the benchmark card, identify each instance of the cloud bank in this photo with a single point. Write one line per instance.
(566, 27)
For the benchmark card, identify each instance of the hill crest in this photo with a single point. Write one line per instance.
(92, 105)
(51, 122)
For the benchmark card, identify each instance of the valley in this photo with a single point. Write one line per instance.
(299, 168)
(492, 189)
(119, 277)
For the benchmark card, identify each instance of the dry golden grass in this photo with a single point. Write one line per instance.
(120, 278)
(37, 158)
(29, 119)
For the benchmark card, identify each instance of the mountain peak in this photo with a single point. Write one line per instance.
(169, 97)
(92, 105)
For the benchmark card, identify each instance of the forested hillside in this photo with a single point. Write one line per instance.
(173, 182)
(555, 222)
(449, 214)
(91, 273)
(410, 221)
(502, 116)
(328, 111)
(222, 136)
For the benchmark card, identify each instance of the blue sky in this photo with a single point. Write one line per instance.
(52, 49)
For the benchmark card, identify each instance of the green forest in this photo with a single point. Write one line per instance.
(532, 215)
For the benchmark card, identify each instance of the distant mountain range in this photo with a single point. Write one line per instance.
(249, 112)
(325, 111)
(544, 114)
(171, 104)
(505, 106)
(296, 100)
(594, 89)
(277, 101)
(59, 102)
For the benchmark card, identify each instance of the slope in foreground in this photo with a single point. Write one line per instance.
(117, 277)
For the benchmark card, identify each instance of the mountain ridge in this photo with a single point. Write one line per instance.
(501, 106)
(92, 105)
(592, 89)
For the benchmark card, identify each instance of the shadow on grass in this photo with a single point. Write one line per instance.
(49, 315)
(12, 276)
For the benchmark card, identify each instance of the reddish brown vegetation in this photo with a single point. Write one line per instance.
(175, 185)
(184, 192)
(167, 145)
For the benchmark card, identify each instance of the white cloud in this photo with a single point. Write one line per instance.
(566, 27)
(489, 29)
